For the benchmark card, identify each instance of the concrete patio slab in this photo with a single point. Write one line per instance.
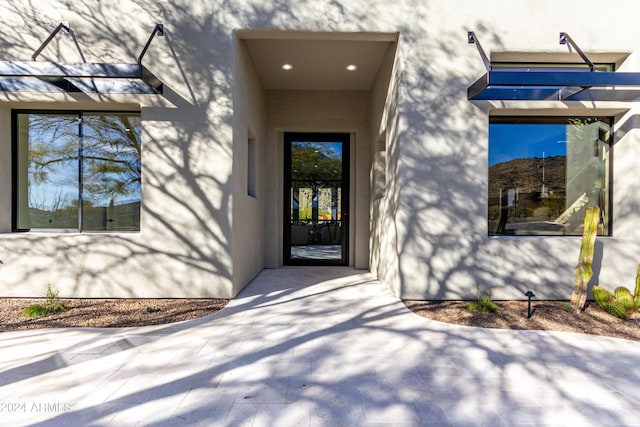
(316, 346)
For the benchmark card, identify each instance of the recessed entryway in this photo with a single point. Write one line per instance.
(311, 83)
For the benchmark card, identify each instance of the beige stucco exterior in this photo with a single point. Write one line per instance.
(419, 147)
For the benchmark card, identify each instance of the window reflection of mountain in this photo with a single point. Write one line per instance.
(526, 190)
(526, 175)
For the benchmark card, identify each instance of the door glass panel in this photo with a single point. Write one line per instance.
(315, 212)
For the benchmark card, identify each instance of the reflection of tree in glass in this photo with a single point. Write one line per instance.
(111, 155)
(52, 139)
(316, 174)
(52, 179)
(315, 161)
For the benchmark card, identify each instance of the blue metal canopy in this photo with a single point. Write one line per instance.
(556, 84)
(543, 84)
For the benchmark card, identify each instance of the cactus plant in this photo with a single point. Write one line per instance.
(627, 303)
(583, 269)
(622, 292)
(636, 294)
(602, 296)
(609, 303)
(621, 303)
(616, 309)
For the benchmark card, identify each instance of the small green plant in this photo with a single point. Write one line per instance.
(621, 303)
(483, 302)
(35, 311)
(53, 305)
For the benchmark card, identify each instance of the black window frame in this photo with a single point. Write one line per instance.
(15, 173)
(557, 119)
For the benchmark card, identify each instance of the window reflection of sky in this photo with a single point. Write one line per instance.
(518, 141)
(329, 148)
(53, 179)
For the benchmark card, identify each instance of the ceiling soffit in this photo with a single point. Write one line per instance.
(318, 61)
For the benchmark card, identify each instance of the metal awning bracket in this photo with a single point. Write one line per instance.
(472, 39)
(66, 30)
(564, 84)
(158, 30)
(565, 38)
(18, 76)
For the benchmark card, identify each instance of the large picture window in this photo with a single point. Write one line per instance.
(545, 171)
(77, 171)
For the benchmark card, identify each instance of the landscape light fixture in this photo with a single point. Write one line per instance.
(530, 295)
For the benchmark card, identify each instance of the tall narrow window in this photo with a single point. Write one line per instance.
(379, 169)
(77, 171)
(251, 167)
(545, 172)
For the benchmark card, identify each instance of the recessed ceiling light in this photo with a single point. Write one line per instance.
(287, 67)
(352, 67)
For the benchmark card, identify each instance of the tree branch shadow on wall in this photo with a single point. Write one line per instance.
(198, 227)
(424, 102)
(445, 171)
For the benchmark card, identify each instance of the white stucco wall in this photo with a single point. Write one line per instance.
(441, 220)
(428, 235)
(384, 256)
(248, 211)
(184, 246)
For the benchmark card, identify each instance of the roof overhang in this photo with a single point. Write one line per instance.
(22, 76)
(17, 76)
(318, 59)
(546, 84)
(553, 84)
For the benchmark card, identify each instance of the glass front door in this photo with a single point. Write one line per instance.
(316, 198)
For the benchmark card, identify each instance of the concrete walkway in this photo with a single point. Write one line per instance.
(316, 346)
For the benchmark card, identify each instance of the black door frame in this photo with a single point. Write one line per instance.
(345, 139)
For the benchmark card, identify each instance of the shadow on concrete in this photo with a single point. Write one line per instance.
(327, 345)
